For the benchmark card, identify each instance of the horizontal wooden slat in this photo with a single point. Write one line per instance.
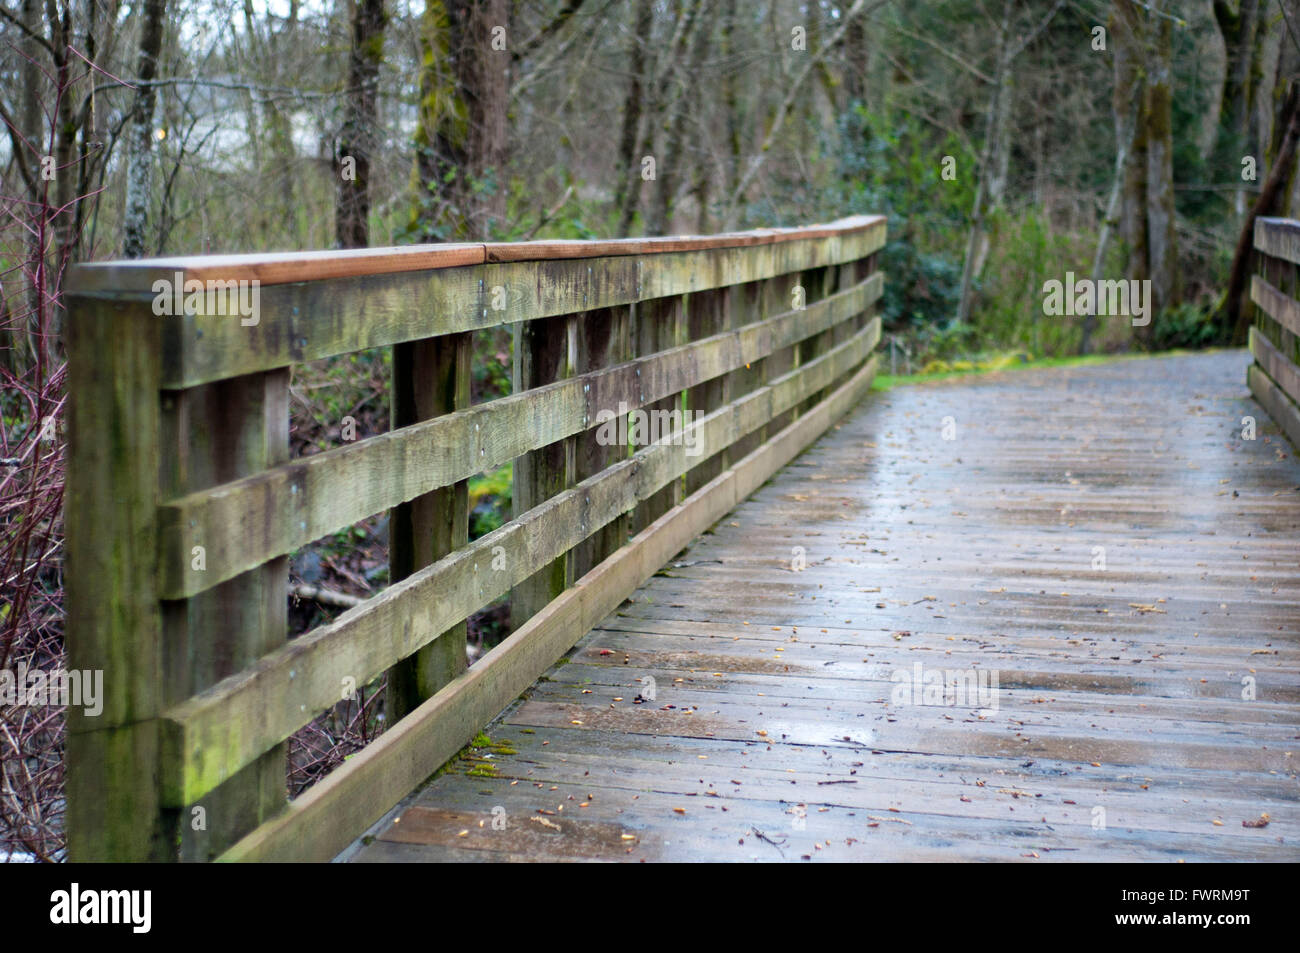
(1282, 308)
(208, 737)
(1284, 373)
(310, 320)
(327, 818)
(1279, 238)
(1283, 410)
(241, 525)
(684, 272)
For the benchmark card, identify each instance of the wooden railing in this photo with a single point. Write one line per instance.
(1275, 338)
(183, 501)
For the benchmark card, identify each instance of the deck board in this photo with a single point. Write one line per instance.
(775, 734)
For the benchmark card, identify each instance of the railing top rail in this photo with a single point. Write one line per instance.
(1278, 238)
(137, 276)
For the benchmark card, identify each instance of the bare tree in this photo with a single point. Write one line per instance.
(627, 184)
(1233, 312)
(139, 176)
(1162, 247)
(997, 150)
(357, 136)
(671, 154)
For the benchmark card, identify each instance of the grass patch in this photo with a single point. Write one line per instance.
(942, 370)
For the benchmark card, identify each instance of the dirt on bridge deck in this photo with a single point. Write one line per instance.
(1113, 571)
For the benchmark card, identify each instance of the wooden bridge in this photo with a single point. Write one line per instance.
(1044, 614)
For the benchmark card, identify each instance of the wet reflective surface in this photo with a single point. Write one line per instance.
(1099, 542)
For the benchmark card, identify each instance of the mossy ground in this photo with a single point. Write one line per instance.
(476, 759)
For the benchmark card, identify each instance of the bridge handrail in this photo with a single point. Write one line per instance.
(183, 504)
(1274, 378)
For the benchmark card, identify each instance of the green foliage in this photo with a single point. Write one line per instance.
(491, 364)
(554, 207)
(348, 385)
(927, 296)
(1006, 361)
(490, 496)
(1024, 252)
(1186, 325)
(895, 167)
(1196, 88)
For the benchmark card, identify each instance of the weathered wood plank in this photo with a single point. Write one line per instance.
(243, 523)
(816, 284)
(1283, 309)
(1285, 374)
(779, 295)
(604, 340)
(213, 734)
(706, 315)
(113, 623)
(1278, 238)
(1283, 410)
(430, 378)
(661, 326)
(216, 433)
(307, 321)
(138, 276)
(545, 351)
(747, 307)
(271, 268)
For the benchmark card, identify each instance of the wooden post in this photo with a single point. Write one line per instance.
(778, 294)
(1282, 275)
(213, 434)
(113, 624)
(724, 320)
(706, 314)
(545, 351)
(604, 339)
(430, 378)
(817, 284)
(748, 305)
(660, 325)
(845, 329)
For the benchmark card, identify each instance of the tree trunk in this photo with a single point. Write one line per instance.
(1161, 238)
(460, 139)
(139, 168)
(855, 64)
(1287, 71)
(999, 167)
(1235, 313)
(357, 135)
(627, 190)
(1235, 137)
(993, 134)
(1128, 36)
(671, 161)
(731, 102)
(14, 352)
(1127, 106)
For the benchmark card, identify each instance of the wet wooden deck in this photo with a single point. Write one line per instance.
(1119, 730)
